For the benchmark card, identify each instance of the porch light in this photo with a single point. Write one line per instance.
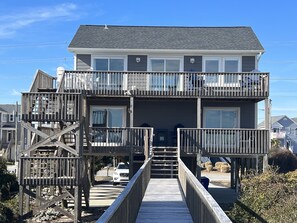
(192, 60)
(138, 59)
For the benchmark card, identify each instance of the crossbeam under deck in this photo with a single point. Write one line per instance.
(163, 202)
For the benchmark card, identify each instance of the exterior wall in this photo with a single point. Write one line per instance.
(248, 63)
(134, 66)
(83, 61)
(194, 67)
(165, 114)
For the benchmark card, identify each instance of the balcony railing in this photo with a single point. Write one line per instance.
(50, 171)
(50, 107)
(178, 84)
(223, 141)
(121, 140)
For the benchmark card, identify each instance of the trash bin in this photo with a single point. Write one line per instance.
(205, 182)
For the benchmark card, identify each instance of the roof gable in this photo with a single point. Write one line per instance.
(166, 38)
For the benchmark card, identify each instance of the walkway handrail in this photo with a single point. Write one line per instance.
(125, 208)
(201, 204)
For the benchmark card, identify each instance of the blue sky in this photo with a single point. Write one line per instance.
(35, 35)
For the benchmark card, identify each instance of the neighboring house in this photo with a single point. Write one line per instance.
(9, 116)
(284, 129)
(139, 90)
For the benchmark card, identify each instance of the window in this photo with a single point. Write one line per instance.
(212, 65)
(4, 117)
(229, 65)
(109, 64)
(106, 124)
(11, 117)
(110, 80)
(221, 118)
(9, 136)
(164, 81)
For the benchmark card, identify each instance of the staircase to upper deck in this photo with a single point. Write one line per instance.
(164, 162)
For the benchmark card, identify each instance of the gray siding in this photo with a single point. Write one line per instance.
(165, 114)
(139, 81)
(83, 61)
(248, 63)
(134, 66)
(196, 66)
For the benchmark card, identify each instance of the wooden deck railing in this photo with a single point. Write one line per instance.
(42, 81)
(201, 204)
(121, 140)
(51, 107)
(51, 171)
(230, 142)
(171, 84)
(125, 208)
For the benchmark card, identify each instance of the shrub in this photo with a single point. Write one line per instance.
(268, 196)
(6, 214)
(283, 159)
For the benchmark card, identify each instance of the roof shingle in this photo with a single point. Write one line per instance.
(171, 38)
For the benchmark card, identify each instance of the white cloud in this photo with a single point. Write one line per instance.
(15, 93)
(284, 109)
(10, 24)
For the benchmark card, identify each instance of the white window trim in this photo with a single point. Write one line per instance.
(150, 58)
(165, 57)
(237, 109)
(232, 58)
(221, 60)
(94, 57)
(7, 136)
(95, 107)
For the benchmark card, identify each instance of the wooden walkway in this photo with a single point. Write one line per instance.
(163, 202)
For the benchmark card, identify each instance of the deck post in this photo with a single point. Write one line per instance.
(198, 157)
(267, 127)
(131, 111)
(131, 155)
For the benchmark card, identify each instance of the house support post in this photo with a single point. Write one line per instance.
(131, 111)
(131, 154)
(267, 127)
(21, 203)
(198, 157)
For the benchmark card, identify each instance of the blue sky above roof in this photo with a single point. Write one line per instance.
(35, 35)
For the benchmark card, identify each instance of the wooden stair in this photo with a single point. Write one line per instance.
(164, 162)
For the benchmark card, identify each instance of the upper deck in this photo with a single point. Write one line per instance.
(248, 85)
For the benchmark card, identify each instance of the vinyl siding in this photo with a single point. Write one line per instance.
(248, 63)
(139, 81)
(194, 67)
(83, 61)
(134, 66)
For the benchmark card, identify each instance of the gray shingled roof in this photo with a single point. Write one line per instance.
(9, 108)
(156, 37)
